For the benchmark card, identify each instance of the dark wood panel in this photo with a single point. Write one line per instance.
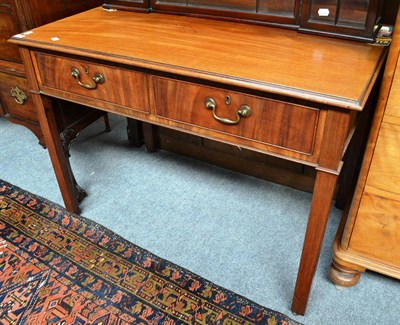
(8, 27)
(389, 11)
(44, 12)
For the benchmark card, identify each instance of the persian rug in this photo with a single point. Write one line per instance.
(60, 268)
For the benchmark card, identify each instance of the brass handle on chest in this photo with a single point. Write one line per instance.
(97, 79)
(19, 96)
(244, 111)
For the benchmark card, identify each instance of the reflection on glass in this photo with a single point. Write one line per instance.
(353, 12)
(242, 5)
(277, 7)
(172, 2)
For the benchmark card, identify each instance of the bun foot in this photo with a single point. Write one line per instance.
(342, 276)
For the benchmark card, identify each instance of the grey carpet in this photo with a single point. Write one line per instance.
(242, 233)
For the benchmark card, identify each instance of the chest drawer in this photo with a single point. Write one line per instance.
(14, 94)
(268, 122)
(93, 81)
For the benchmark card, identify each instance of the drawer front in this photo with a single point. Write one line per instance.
(12, 91)
(270, 122)
(56, 73)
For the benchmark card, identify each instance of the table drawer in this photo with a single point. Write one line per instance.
(113, 85)
(270, 122)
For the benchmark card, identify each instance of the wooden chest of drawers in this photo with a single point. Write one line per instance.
(369, 236)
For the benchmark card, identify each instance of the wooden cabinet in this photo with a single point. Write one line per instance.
(340, 18)
(18, 16)
(369, 236)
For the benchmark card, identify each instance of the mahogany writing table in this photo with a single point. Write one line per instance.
(282, 93)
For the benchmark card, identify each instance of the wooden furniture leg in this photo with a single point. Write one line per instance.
(149, 137)
(48, 124)
(135, 132)
(107, 123)
(320, 207)
(337, 131)
(140, 133)
(56, 150)
(67, 137)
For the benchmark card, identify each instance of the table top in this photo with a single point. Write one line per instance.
(279, 61)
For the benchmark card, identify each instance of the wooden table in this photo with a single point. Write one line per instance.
(279, 92)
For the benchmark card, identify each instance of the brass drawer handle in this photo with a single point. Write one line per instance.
(97, 79)
(19, 96)
(243, 111)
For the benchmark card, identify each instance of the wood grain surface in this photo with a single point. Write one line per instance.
(309, 67)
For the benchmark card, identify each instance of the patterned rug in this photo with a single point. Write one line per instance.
(59, 268)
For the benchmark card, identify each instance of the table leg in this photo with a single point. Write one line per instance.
(68, 136)
(320, 207)
(135, 132)
(141, 132)
(48, 125)
(55, 148)
(149, 137)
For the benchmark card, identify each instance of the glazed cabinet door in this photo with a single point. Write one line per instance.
(353, 19)
(134, 5)
(341, 17)
(258, 10)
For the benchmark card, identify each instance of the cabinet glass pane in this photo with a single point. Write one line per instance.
(323, 11)
(242, 5)
(353, 12)
(277, 7)
(172, 2)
